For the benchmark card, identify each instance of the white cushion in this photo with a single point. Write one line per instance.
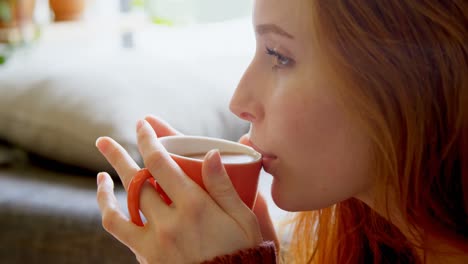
(57, 105)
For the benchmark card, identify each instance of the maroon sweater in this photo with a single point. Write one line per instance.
(265, 253)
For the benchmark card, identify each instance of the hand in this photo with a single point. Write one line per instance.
(188, 230)
(161, 127)
(261, 210)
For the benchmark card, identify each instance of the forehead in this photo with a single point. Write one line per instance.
(294, 16)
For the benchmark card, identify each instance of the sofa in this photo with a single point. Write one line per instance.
(78, 82)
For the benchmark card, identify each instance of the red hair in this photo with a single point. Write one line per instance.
(402, 68)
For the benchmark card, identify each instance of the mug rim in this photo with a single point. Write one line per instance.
(248, 150)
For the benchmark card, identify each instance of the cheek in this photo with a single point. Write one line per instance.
(323, 158)
(308, 123)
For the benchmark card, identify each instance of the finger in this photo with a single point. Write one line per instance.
(157, 160)
(161, 127)
(113, 220)
(127, 168)
(245, 139)
(264, 220)
(219, 186)
(119, 158)
(155, 208)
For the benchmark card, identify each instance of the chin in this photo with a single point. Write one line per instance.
(288, 200)
(283, 199)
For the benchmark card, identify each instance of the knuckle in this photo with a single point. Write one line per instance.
(155, 159)
(114, 154)
(194, 208)
(108, 220)
(100, 194)
(193, 205)
(168, 235)
(225, 189)
(144, 137)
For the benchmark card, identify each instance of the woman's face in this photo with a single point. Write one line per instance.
(315, 153)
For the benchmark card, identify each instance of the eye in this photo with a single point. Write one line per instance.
(281, 61)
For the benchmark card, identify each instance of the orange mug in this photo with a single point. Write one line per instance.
(242, 164)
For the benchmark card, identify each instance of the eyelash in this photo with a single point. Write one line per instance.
(281, 60)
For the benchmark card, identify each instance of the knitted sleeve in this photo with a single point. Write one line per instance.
(265, 253)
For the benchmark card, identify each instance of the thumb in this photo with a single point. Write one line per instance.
(218, 184)
(245, 139)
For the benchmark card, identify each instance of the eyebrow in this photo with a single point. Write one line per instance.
(272, 28)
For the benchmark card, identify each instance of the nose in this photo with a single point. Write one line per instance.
(246, 102)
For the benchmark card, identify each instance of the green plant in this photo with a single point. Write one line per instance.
(9, 46)
(5, 11)
(138, 3)
(5, 17)
(5, 52)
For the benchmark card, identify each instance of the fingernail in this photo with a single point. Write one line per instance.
(97, 141)
(99, 146)
(149, 117)
(215, 161)
(100, 178)
(140, 123)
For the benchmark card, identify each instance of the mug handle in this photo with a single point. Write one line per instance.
(134, 190)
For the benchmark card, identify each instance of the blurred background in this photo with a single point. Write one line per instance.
(22, 21)
(74, 70)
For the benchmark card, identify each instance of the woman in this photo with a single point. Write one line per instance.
(360, 111)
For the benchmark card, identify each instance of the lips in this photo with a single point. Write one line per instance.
(267, 158)
(264, 154)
